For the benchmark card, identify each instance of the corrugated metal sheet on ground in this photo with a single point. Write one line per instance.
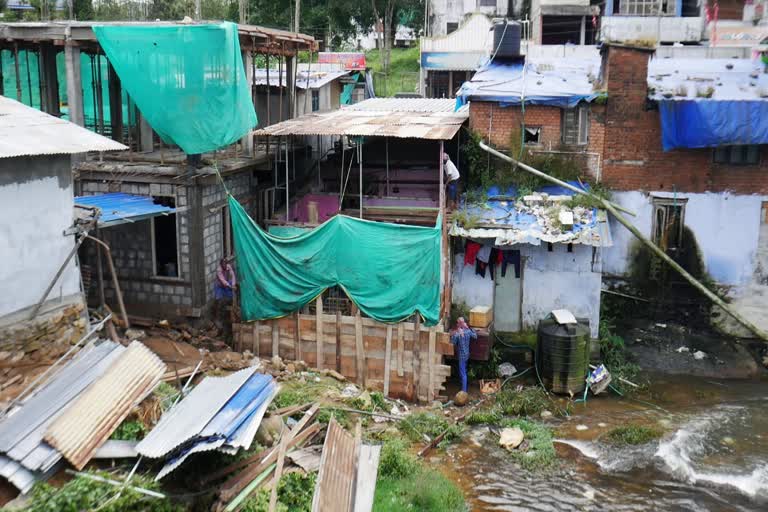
(118, 208)
(336, 479)
(365, 483)
(235, 425)
(97, 412)
(360, 120)
(21, 434)
(184, 421)
(19, 476)
(25, 131)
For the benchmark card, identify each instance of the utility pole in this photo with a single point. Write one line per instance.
(198, 10)
(296, 16)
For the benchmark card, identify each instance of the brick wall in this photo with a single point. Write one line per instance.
(633, 158)
(503, 122)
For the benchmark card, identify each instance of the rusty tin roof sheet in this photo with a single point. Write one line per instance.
(92, 418)
(336, 479)
(404, 118)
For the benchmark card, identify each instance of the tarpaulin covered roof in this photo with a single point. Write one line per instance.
(710, 102)
(533, 219)
(384, 121)
(26, 131)
(118, 208)
(556, 82)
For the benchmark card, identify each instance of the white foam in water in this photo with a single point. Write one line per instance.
(690, 440)
(588, 449)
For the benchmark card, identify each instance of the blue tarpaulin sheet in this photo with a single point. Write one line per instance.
(118, 208)
(703, 123)
(562, 83)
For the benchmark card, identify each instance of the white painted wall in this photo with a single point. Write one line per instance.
(551, 280)
(36, 200)
(726, 226)
(668, 29)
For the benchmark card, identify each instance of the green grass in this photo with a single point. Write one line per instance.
(130, 430)
(403, 75)
(632, 435)
(294, 494)
(540, 454)
(416, 425)
(527, 402)
(405, 483)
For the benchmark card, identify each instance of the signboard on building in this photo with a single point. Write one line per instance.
(349, 61)
(452, 61)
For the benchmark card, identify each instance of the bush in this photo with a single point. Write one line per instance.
(419, 424)
(396, 461)
(82, 493)
(131, 430)
(294, 494)
(632, 435)
(528, 402)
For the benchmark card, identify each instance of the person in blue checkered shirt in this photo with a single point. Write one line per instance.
(461, 338)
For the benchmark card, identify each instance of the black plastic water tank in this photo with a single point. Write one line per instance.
(506, 39)
(562, 355)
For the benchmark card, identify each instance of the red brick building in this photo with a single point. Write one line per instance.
(705, 202)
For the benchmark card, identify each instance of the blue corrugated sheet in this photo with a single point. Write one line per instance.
(118, 208)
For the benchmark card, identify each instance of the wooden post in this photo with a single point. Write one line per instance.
(400, 348)
(387, 357)
(256, 340)
(275, 339)
(319, 332)
(431, 364)
(417, 357)
(297, 338)
(338, 341)
(359, 350)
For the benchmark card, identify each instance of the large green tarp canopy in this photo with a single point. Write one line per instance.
(390, 271)
(187, 80)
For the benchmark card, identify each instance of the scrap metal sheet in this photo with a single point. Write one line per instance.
(92, 418)
(335, 481)
(184, 421)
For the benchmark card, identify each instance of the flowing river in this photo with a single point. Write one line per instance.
(713, 456)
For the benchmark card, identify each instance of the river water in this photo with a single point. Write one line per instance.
(713, 456)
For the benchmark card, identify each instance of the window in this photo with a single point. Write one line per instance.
(738, 155)
(165, 246)
(575, 125)
(315, 100)
(451, 27)
(486, 3)
(668, 222)
(532, 135)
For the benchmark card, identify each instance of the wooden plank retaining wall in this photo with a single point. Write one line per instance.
(384, 357)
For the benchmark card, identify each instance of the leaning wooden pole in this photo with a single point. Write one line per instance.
(613, 209)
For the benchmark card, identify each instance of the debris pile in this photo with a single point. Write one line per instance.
(75, 410)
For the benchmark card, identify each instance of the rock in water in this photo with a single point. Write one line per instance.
(511, 438)
(461, 398)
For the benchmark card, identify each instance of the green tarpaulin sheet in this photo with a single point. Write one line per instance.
(390, 271)
(187, 80)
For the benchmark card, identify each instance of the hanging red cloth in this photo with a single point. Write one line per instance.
(470, 252)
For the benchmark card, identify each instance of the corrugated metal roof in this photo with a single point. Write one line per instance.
(15, 473)
(362, 121)
(119, 208)
(25, 131)
(184, 421)
(404, 105)
(336, 478)
(92, 418)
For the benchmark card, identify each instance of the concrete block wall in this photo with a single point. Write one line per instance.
(131, 247)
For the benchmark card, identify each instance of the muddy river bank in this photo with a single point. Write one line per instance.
(713, 454)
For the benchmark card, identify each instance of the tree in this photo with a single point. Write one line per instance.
(83, 10)
(391, 13)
